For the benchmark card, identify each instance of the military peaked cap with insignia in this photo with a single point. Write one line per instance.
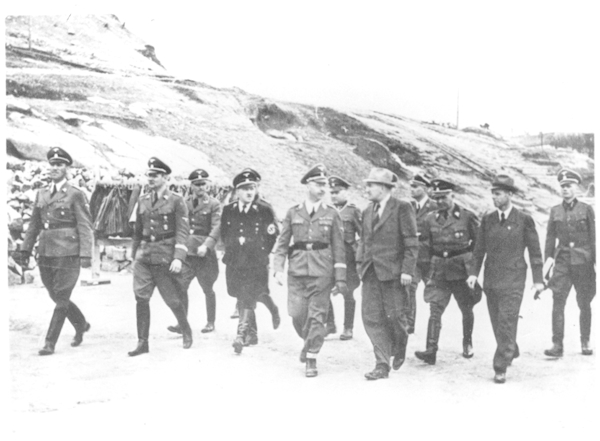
(316, 173)
(420, 180)
(198, 175)
(246, 176)
(56, 154)
(441, 187)
(568, 176)
(156, 165)
(336, 181)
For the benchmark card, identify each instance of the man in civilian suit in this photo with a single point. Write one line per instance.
(502, 238)
(387, 256)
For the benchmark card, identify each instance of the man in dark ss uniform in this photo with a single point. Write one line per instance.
(248, 231)
(388, 256)
(61, 218)
(159, 249)
(450, 234)
(201, 262)
(352, 223)
(312, 239)
(423, 204)
(571, 248)
(503, 236)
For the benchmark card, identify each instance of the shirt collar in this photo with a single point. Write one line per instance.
(422, 202)
(383, 202)
(59, 185)
(312, 205)
(506, 213)
(569, 206)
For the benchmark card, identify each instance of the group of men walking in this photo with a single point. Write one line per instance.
(391, 246)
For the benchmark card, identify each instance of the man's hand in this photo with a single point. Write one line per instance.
(175, 267)
(539, 288)
(85, 262)
(471, 281)
(341, 287)
(279, 277)
(405, 279)
(202, 250)
(548, 268)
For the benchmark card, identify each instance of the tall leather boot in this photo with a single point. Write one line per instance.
(330, 322)
(468, 322)
(251, 337)
(585, 327)
(238, 343)
(433, 335)
(182, 322)
(349, 309)
(142, 310)
(558, 332)
(185, 302)
(56, 323)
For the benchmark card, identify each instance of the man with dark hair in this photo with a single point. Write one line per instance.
(312, 239)
(159, 249)
(61, 218)
(249, 231)
(503, 236)
(387, 255)
(571, 249)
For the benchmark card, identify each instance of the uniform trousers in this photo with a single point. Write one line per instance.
(353, 282)
(206, 271)
(421, 272)
(308, 304)
(383, 306)
(565, 276)
(146, 277)
(247, 284)
(59, 275)
(504, 306)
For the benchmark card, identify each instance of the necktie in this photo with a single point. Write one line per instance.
(53, 190)
(502, 218)
(375, 214)
(312, 213)
(195, 203)
(418, 207)
(154, 198)
(443, 215)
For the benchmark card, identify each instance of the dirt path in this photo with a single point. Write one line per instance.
(96, 390)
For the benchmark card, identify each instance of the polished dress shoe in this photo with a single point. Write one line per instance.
(426, 356)
(468, 350)
(585, 348)
(347, 334)
(378, 373)
(276, 319)
(330, 328)
(302, 356)
(142, 348)
(176, 329)
(79, 335)
(555, 352)
(250, 340)
(48, 349)
(500, 378)
(311, 367)
(210, 327)
(398, 362)
(238, 345)
(187, 340)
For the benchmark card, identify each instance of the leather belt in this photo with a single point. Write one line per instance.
(158, 237)
(308, 246)
(48, 226)
(449, 254)
(199, 232)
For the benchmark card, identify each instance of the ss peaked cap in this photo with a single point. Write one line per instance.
(420, 180)
(336, 181)
(198, 175)
(568, 176)
(441, 187)
(156, 165)
(56, 154)
(316, 173)
(246, 176)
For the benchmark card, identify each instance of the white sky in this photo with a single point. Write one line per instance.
(519, 66)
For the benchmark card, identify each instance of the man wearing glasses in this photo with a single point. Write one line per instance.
(449, 234)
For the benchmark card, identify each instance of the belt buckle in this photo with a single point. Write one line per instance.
(445, 254)
(152, 238)
(571, 244)
(309, 246)
(46, 225)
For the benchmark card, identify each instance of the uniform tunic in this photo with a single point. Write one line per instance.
(160, 236)
(249, 238)
(317, 259)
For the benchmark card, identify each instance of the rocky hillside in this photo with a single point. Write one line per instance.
(87, 84)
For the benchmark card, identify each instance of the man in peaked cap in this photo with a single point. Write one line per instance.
(423, 204)
(571, 248)
(503, 236)
(387, 255)
(352, 223)
(450, 234)
(201, 261)
(248, 230)
(61, 218)
(159, 249)
(312, 239)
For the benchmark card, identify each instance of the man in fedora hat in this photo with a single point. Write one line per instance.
(423, 204)
(449, 233)
(352, 222)
(313, 241)
(503, 236)
(201, 261)
(159, 249)
(387, 255)
(249, 231)
(61, 218)
(571, 248)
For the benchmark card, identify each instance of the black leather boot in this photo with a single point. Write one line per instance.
(433, 336)
(558, 332)
(251, 337)
(238, 343)
(468, 322)
(349, 308)
(185, 302)
(56, 323)
(142, 309)
(186, 330)
(311, 367)
(330, 323)
(586, 348)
